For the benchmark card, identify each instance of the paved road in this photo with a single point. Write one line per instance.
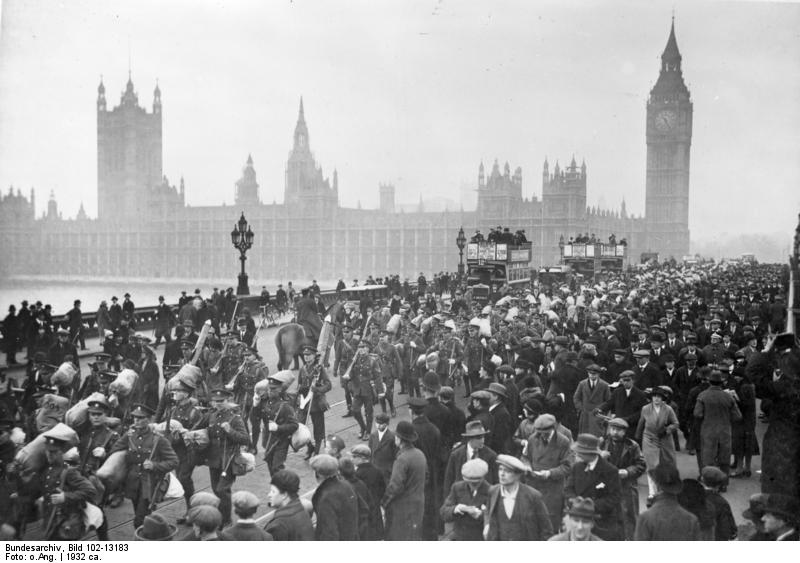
(120, 519)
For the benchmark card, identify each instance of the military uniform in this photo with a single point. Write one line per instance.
(189, 416)
(77, 491)
(140, 484)
(391, 368)
(345, 350)
(244, 389)
(365, 383)
(314, 378)
(279, 411)
(222, 448)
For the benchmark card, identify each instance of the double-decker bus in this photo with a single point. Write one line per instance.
(492, 265)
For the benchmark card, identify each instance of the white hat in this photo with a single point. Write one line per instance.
(450, 324)
(475, 321)
(486, 310)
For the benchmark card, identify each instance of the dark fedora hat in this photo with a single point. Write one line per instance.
(155, 528)
(405, 431)
(474, 429)
(587, 444)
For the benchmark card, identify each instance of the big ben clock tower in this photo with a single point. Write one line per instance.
(669, 139)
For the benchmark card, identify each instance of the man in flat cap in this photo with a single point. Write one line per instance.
(291, 521)
(404, 500)
(515, 511)
(148, 459)
(245, 505)
(372, 478)
(626, 455)
(226, 434)
(65, 491)
(466, 501)
(550, 457)
(335, 502)
(647, 375)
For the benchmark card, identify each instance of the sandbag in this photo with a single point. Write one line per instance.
(486, 327)
(52, 412)
(79, 413)
(192, 375)
(301, 437)
(123, 384)
(512, 312)
(64, 375)
(174, 426)
(112, 472)
(92, 516)
(394, 324)
(261, 388)
(18, 436)
(174, 489)
(197, 439)
(31, 457)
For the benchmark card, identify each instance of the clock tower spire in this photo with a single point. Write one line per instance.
(669, 140)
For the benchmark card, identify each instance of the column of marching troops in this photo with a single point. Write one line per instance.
(573, 394)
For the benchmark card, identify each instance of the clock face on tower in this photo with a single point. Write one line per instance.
(666, 120)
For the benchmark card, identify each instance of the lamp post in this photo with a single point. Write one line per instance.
(242, 239)
(461, 241)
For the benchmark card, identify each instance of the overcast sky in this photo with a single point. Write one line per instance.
(415, 92)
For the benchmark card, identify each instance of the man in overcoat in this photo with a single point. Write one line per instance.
(551, 459)
(334, 501)
(595, 478)
(590, 394)
(404, 500)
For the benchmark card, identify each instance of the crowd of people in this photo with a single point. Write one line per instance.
(572, 395)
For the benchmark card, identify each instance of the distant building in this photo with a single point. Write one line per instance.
(145, 229)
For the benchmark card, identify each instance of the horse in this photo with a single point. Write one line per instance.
(291, 338)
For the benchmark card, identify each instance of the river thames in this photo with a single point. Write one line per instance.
(61, 295)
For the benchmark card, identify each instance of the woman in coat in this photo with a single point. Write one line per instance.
(656, 425)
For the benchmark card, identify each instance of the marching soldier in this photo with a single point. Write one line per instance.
(391, 368)
(251, 371)
(65, 491)
(413, 346)
(345, 352)
(313, 379)
(95, 440)
(365, 384)
(280, 422)
(473, 356)
(226, 434)
(92, 383)
(181, 408)
(451, 353)
(149, 458)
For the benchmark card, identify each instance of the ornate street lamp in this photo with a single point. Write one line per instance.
(461, 242)
(242, 239)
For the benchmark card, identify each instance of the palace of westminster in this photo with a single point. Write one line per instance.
(144, 229)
